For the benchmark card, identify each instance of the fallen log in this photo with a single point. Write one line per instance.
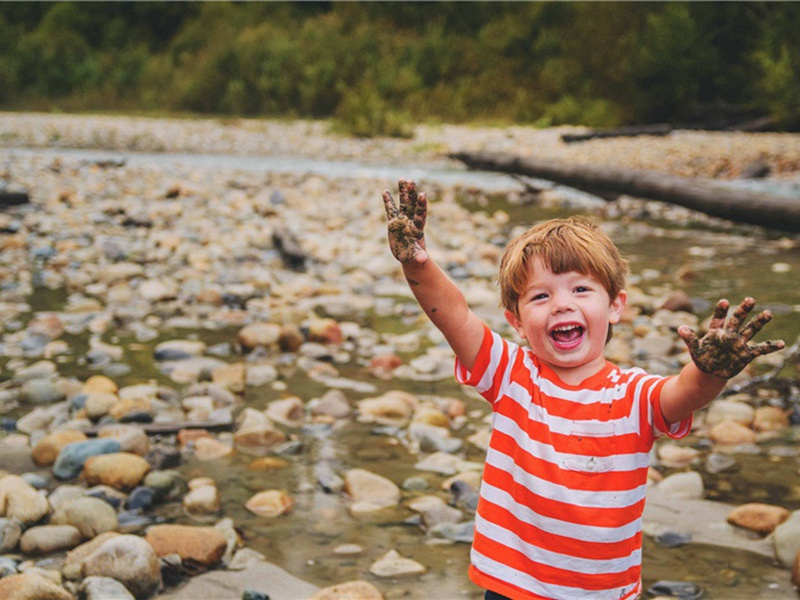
(658, 129)
(8, 198)
(768, 209)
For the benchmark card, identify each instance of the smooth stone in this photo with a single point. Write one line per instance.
(104, 588)
(41, 417)
(32, 586)
(731, 433)
(432, 438)
(674, 456)
(207, 448)
(435, 511)
(257, 375)
(41, 391)
(204, 545)
(786, 539)
(98, 404)
(178, 350)
(64, 494)
(44, 539)
(258, 440)
(8, 567)
(758, 517)
(270, 503)
(729, 410)
(231, 377)
(73, 562)
(392, 564)
(100, 384)
(131, 438)
(349, 590)
(682, 485)
(46, 450)
(19, 500)
(770, 418)
(393, 408)
(685, 590)
(10, 532)
(717, 463)
(141, 498)
(72, 457)
(443, 463)
(130, 560)
(333, 404)
(203, 500)
(288, 411)
(259, 334)
(371, 491)
(455, 532)
(796, 571)
(91, 516)
(120, 470)
(168, 484)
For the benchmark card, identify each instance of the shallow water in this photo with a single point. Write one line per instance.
(726, 261)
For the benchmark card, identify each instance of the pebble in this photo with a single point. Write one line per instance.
(128, 559)
(10, 532)
(72, 457)
(786, 539)
(19, 500)
(204, 545)
(32, 586)
(355, 590)
(104, 588)
(90, 516)
(270, 503)
(392, 564)
(44, 539)
(758, 517)
(370, 491)
(688, 484)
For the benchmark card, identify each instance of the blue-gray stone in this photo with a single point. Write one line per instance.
(69, 463)
(36, 480)
(141, 497)
(10, 532)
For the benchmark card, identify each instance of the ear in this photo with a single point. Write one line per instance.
(514, 321)
(617, 306)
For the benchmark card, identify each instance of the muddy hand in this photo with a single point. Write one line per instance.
(407, 223)
(726, 348)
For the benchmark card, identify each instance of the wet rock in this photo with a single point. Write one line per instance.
(90, 516)
(32, 586)
(207, 448)
(130, 560)
(120, 470)
(333, 404)
(270, 503)
(392, 564)
(72, 457)
(455, 532)
(132, 439)
(682, 485)
(439, 462)
(41, 391)
(383, 365)
(48, 448)
(730, 410)
(717, 463)
(685, 590)
(204, 545)
(73, 561)
(432, 438)
(370, 491)
(203, 497)
(19, 500)
(435, 511)
(786, 539)
(393, 408)
(167, 484)
(730, 433)
(258, 440)
(10, 532)
(289, 411)
(672, 539)
(104, 588)
(98, 404)
(758, 517)
(259, 334)
(41, 417)
(45, 539)
(178, 350)
(231, 377)
(770, 418)
(325, 331)
(350, 590)
(674, 456)
(100, 384)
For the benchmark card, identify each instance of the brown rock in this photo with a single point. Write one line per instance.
(351, 590)
(325, 331)
(678, 300)
(32, 586)
(47, 449)
(770, 418)
(75, 557)
(259, 334)
(100, 384)
(383, 365)
(186, 436)
(270, 503)
(204, 545)
(761, 518)
(796, 571)
(731, 433)
(120, 470)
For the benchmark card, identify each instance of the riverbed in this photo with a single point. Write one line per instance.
(195, 205)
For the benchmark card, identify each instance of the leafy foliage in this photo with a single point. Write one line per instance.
(376, 67)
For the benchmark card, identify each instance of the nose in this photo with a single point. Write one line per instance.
(562, 302)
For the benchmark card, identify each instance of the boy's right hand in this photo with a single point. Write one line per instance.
(407, 223)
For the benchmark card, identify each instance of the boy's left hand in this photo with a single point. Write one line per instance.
(726, 348)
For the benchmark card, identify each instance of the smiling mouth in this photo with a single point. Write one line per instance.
(567, 336)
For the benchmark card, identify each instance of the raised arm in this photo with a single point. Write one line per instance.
(439, 297)
(720, 354)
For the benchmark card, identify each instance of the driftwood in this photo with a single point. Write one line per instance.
(13, 198)
(776, 211)
(168, 428)
(630, 131)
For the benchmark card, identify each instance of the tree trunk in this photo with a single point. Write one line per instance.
(777, 211)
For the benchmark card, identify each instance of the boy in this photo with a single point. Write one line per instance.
(561, 501)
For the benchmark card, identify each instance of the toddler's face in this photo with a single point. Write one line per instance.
(565, 318)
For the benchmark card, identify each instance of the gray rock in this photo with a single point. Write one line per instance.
(42, 391)
(91, 516)
(130, 560)
(10, 532)
(786, 539)
(45, 539)
(104, 588)
(69, 463)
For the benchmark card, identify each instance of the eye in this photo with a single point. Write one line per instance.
(581, 289)
(539, 296)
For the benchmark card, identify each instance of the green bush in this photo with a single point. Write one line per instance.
(364, 113)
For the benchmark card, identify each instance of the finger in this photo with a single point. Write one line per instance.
(756, 323)
(389, 205)
(767, 347)
(689, 337)
(408, 197)
(720, 312)
(740, 314)
(421, 211)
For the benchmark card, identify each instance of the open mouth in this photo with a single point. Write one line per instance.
(566, 337)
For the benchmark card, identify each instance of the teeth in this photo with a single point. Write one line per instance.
(567, 328)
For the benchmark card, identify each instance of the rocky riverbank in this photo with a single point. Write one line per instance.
(206, 366)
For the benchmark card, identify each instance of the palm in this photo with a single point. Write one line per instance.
(407, 223)
(726, 348)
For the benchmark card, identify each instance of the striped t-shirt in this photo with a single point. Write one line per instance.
(560, 509)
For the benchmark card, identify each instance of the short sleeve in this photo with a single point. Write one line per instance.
(660, 426)
(489, 371)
